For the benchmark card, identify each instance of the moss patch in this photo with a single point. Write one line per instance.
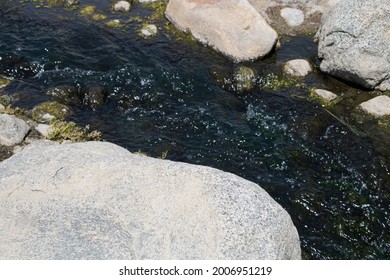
(278, 82)
(15, 111)
(98, 17)
(48, 111)
(4, 81)
(158, 7)
(115, 23)
(61, 130)
(313, 96)
(87, 10)
(244, 78)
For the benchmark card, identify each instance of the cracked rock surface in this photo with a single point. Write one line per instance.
(354, 42)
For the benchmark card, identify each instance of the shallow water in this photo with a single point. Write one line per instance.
(164, 99)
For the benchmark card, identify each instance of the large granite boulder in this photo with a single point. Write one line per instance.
(96, 200)
(233, 27)
(354, 42)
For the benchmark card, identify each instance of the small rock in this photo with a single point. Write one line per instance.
(95, 96)
(149, 30)
(47, 111)
(12, 130)
(44, 129)
(297, 67)
(244, 78)
(122, 6)
(293, 17)
(2, 107)
(325, 94)
(378, 106)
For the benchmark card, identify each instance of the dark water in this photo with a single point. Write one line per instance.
(164, 98)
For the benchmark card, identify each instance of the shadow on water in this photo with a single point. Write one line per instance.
(164, 99)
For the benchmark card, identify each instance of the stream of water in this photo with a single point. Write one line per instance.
(164, 99)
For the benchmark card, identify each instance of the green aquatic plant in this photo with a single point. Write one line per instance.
(87, 10)
(158, 7)
(244, 79)
(98, 17)
(61, 130)
(15, 111)
(4, 81)
(278, 82)
(47, 111)
(115, 23)
(313, 96)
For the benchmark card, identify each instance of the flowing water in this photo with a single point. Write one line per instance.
(165, 99)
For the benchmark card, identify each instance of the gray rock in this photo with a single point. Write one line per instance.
(44, 129)
(2, 107)
(354, 42)
(293, 17)
(378, 106)
(149, 30)
(12, 130)
(326, 95)
(297, 67)
(95, 200)
(232, 27)
(122, 6)
(244, 79)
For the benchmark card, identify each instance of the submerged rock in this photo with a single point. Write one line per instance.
(122, 6)
(232, 27)
(48, 111)
(65, 94)
(12, 130)
(297, 67)
(96, 200)
(95, 96)
(326, 95)
(354, 42)
(244, 79)
(148, 30)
